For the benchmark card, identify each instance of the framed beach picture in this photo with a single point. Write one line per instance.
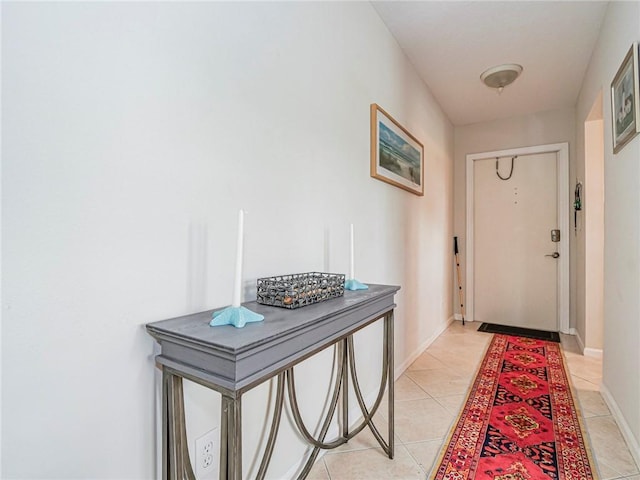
(625, 111)
(397, 157)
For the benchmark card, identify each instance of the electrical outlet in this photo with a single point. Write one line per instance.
(207, 455)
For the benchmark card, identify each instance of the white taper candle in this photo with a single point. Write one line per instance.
(352, 274)
(237, 286)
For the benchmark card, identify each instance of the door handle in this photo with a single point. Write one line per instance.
(554, 255)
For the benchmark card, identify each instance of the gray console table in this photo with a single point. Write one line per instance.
(232, 361)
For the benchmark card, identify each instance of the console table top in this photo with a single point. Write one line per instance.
(195, 329)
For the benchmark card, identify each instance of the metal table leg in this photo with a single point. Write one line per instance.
(175, 456)
(388, 325)
(231, 439)
(345, 389)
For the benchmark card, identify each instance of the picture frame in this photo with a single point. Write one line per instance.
(397, 157)
(625, 110)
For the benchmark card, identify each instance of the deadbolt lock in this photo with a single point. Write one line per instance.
(555, 235)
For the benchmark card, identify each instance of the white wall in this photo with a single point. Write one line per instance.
(621, 363)
(593, 215)
(556, 126)
(132, 135)
(588, 238)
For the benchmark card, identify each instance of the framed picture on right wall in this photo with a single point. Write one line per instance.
(625, 110)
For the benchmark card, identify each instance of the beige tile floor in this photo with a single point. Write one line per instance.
(428, 397)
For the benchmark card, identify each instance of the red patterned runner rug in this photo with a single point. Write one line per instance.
(520, 421)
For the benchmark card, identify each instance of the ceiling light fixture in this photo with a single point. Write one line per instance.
(500, 76)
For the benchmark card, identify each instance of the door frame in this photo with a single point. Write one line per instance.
(562, 171)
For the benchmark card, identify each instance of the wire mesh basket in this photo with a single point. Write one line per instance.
(299, 289)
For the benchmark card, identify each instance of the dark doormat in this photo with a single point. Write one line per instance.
(520, 332)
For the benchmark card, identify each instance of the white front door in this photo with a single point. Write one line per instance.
(515, 278)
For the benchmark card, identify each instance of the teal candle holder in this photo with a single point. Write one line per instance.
(353, 284)
(236, 316)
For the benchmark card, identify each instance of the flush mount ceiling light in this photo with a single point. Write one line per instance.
(500, 76)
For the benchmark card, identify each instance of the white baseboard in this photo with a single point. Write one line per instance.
(586, 351)
(458, 316)
(592, 352)
(399, 369)
(632, 442)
